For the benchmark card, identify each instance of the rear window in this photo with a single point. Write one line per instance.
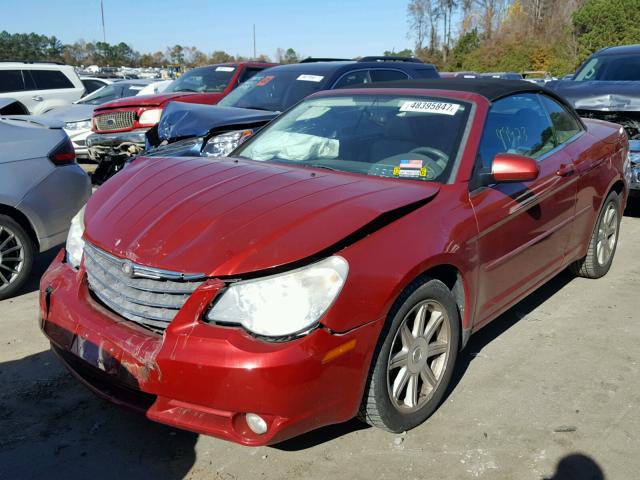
(387, 75)
(11, 81)
(426, 73)
(50, 79)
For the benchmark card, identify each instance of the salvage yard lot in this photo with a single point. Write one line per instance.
(555, 376)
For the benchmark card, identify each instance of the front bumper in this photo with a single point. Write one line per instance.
(101, 145)
(201, 377)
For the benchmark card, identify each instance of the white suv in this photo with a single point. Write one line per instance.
(40, 86)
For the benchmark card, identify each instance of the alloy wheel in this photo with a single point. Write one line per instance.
(11, 257)
(607, 234)
(418, 356)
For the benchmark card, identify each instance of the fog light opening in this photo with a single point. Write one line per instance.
(256, 423)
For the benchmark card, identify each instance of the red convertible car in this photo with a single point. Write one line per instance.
(336, 264)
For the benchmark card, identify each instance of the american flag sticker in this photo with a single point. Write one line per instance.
(417, 164)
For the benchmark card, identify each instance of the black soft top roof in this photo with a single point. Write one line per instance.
(490, 88)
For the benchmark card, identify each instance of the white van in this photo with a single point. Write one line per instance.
(40, 86)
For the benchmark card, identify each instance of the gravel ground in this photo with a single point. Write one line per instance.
(549, 390)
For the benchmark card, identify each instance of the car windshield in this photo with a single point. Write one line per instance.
(611, 68)
(204, 79)
(100, 96)
(111, 92)
(407, 138)
(274, 91)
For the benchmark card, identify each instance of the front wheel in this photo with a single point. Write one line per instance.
(414, 360)
(603, 243)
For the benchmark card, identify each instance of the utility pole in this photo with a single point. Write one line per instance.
(254, 41)
(104, 34)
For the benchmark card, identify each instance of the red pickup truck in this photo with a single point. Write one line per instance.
(119, 126)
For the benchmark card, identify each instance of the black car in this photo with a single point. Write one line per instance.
(217, 130)
(607, 87)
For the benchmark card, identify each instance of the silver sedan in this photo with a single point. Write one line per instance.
(41, 189)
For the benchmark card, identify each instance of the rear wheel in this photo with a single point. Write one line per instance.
(16, 256)
(604, 241)
(414, 360)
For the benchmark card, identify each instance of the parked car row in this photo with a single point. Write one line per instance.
(261, 95)
(314, 243)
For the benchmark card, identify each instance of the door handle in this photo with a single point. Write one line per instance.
(566, 170)
(37, 98)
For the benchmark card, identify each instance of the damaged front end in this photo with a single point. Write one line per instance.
(112, 151)
(629, 120)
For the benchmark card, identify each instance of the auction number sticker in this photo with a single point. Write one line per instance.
(225, 69)
(441, 108)
(310, 78)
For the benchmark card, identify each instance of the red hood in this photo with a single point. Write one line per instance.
(228, 217)
(159, 99)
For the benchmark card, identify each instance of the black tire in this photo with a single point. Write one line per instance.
(591, 265)
(11, 235)
(378, 408)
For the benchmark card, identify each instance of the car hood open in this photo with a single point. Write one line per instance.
(600, 95)
(184, 120)
(232, 217)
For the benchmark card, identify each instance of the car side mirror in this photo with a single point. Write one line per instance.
(510, 168)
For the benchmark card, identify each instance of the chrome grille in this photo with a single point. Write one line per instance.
(114, 121)
(144, 295)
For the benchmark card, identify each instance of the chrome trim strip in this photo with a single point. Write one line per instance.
(143, 271)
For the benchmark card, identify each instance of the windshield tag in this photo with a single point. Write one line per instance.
(133, 87)
(441, 108)
(310, 78)
(225, 69)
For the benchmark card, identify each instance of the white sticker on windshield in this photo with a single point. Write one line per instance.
(430, 107)
(133, 87)
(225, 69)
(310, 78)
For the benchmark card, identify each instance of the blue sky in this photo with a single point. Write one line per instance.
(336, 28)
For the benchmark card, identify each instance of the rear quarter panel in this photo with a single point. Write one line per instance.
(599, 155)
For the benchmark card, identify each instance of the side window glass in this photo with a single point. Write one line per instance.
(50, 79)
(387, 75)
(353, 78)
(564, 123)
(11, 81)
(517, 124)
(248, 73)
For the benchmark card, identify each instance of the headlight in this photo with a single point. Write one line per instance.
(83, 125)
(150, 117)
(223, 144)
(285, 304)
(75, 243)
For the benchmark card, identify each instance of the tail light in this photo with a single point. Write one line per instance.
(63, 154)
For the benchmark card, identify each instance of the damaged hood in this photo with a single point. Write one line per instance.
(231, 216)
(184, 120)
(599, 95)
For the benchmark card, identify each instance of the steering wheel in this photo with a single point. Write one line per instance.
(438, 156)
